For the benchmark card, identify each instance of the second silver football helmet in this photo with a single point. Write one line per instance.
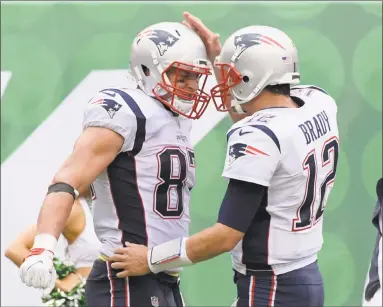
(251, 59)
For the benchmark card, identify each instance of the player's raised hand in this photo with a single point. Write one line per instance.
(132, 259)
(37, 270)
(210, 39)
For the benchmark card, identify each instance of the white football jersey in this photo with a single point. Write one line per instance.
(294, 153)
(143, 196)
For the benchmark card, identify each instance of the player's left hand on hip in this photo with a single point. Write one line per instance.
(132, 259)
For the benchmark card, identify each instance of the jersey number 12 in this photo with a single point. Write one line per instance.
(306, 218)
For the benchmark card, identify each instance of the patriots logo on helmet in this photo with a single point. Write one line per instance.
(244, 41)
(163, 39)
(238, 150)
(109, 105)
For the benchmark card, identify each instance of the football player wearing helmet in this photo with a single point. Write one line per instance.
(136, 152)
(281, 163)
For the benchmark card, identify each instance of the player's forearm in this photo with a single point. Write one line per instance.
(57, 206)
(78, 171)
(19, 248)
(17, 254)
(207, 244)
(182, 252)
(69, 282)
(54, 213)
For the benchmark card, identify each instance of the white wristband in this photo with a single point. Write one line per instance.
(168, 255)
(45, 241)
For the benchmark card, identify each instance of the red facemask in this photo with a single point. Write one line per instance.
(199, 99)
(220, 93)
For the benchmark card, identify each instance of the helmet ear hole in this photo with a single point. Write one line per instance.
(145, 70)
(245, 79)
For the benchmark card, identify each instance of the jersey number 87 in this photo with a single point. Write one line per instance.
(168, 199)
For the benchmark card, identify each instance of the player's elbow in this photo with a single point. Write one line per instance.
(229, 244)
(8, 253)
(95, 149)
(11, 253)
(68, 175)
(76, 167)
(229, 237)
(73, 174)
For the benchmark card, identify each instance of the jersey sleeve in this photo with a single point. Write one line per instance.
(110, 110)
(253, 154)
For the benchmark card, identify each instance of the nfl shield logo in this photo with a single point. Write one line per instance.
(154, 300)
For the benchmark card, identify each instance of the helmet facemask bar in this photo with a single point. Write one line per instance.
(182, 101)
(230, 77)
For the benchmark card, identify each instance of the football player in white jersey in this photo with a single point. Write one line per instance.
(281, 163)
(136, 151)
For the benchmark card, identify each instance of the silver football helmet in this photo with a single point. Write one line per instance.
(251, 59)
(165, 46)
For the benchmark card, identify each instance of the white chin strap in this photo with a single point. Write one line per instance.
(183, 105)
(238, 109)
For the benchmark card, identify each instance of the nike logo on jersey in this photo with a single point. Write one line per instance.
(111, 94)
(244, 132)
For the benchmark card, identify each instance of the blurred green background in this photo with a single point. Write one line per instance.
(51, 47)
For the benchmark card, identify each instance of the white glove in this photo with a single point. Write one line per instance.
(37, 269)
(47, 291)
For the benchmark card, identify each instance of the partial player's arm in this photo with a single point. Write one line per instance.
(72, 280)
(19, 249)
(94, 151)
(238, 208)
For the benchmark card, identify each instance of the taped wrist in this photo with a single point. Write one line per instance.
(169, 255)
(63, 187)
(45, 241)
